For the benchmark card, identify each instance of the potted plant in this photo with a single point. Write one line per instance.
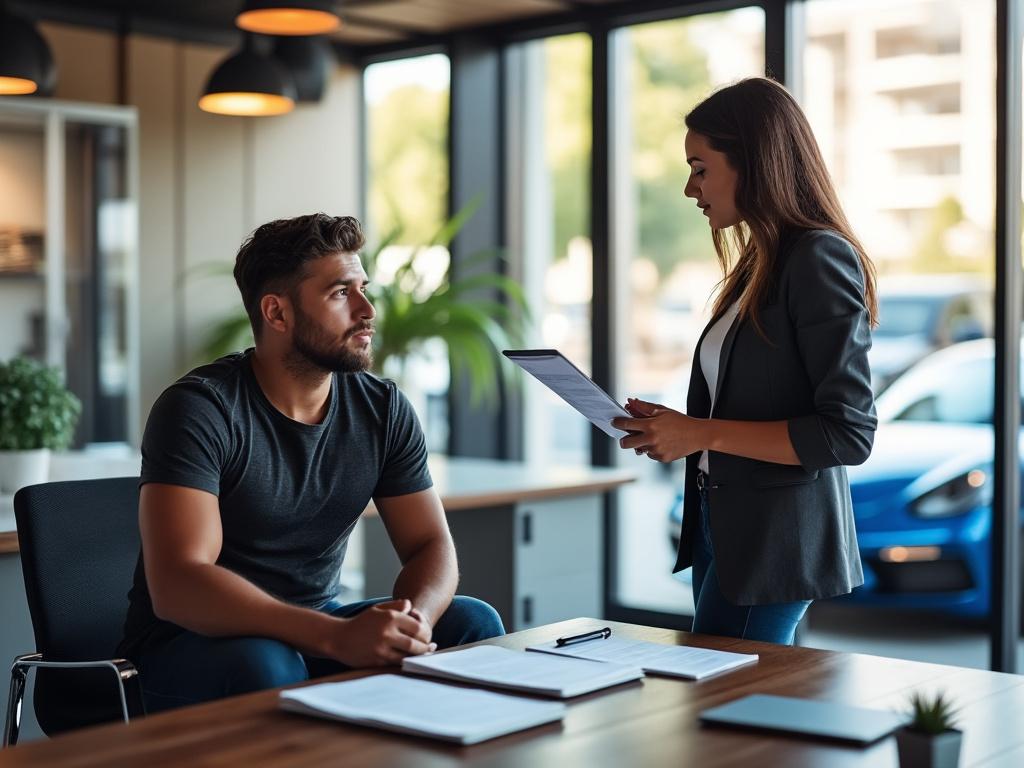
(37, 414)
(929, 740)
(476, 316)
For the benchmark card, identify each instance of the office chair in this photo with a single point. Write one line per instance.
(79, 544)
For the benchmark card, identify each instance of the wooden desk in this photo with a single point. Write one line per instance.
(651, 723)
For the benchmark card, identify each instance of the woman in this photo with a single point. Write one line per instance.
(780, 392)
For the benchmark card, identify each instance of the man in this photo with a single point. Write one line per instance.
(256, 467)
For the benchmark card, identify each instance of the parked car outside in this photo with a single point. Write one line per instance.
(922, 500)
(923, 313)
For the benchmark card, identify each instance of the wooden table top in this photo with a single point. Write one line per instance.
(647, 723)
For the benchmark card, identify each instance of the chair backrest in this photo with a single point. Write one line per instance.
(79, 543)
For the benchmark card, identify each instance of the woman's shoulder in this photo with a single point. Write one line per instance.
(816, 249)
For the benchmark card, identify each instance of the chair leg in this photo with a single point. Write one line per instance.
(15, 698)
(133, 695)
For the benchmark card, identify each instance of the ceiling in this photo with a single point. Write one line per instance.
(364, 22)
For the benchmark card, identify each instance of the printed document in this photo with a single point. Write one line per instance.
(492, 665)
(654, 658)
(421, 708)
(551, 368)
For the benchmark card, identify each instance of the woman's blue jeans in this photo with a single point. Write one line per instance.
(189, 668)
(715, 615)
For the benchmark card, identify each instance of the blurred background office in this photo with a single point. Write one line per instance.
(541, 140)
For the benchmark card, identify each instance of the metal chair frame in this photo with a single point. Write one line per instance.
(127, 685)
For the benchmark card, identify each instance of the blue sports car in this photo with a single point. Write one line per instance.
(922, 500)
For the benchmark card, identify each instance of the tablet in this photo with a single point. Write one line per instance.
(554, 370)
(805, 717)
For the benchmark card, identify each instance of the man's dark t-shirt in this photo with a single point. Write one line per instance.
(289, 493)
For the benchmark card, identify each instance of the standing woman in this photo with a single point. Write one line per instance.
(780, 392)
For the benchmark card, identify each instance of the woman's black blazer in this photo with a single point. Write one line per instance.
(783, 532)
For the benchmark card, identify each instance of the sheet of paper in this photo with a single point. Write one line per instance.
(655, 658)
(421, 707)
(572, 385)
(531, 672)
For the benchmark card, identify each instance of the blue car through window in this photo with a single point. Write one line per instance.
(922, 501)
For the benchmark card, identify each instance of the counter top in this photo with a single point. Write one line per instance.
(461, 483)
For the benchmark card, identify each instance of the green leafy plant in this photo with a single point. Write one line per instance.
(476, 316)
(931, 715)
(36, 409)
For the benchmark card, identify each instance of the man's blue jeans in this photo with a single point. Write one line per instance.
(190, 668)
(714, 615)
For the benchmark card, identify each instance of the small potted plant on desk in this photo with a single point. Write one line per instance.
(37, 414)
(929, 740)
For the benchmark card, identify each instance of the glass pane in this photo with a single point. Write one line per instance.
(550, 93)
(22, 232)
(100, 239)
(667, 260)
(407, 194)
(901, 96)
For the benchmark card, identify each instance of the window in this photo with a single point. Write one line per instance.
(665, 259)
(407, 200)
(549, 89)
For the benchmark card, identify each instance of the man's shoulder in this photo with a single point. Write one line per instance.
(373, 387)
(218, 384)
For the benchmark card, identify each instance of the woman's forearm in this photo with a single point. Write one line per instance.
(762, 440)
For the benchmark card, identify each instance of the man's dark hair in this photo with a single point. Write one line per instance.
(273, 258)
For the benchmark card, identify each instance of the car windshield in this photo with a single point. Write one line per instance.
(955, 386)
(905, 315)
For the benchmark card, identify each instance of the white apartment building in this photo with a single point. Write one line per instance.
(901, 94)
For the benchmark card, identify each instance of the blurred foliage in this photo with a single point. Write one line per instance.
(36, 409)
(408, 163)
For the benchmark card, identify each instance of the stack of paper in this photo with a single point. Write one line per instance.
(654, 658)
(532, 673)
(422, 708)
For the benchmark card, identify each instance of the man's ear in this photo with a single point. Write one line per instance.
(277, 312)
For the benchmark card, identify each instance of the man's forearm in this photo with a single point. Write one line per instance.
(211, 600)
(429, 578)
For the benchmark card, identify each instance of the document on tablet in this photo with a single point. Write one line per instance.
(552, 369)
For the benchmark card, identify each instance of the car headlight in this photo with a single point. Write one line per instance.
(955, 497)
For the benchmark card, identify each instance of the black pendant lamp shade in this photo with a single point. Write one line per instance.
(26, 63)
(249, 84)
(289, 17)
(307, 59)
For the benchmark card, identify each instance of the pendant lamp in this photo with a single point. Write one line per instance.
(308, 60)
(289, 17)
(249, 84)
(26, 63)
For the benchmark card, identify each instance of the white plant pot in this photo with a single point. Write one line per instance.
(21, 468)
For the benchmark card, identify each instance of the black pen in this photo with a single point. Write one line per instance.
(597, 634)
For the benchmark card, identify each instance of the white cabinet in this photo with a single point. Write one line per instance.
(536, 562)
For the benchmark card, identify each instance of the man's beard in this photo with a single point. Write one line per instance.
(315, 348)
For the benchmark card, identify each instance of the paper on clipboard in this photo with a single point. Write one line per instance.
(552, 369)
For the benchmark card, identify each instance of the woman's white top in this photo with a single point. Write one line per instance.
(711, 357)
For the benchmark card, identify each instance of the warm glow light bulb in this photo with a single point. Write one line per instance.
(16, 86)
(288, 21)
(246, 104)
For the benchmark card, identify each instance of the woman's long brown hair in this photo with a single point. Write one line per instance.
(783, 185)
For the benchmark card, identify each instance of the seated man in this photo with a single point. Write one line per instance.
(256, 467)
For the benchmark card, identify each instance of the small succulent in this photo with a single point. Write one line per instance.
(931, 715)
